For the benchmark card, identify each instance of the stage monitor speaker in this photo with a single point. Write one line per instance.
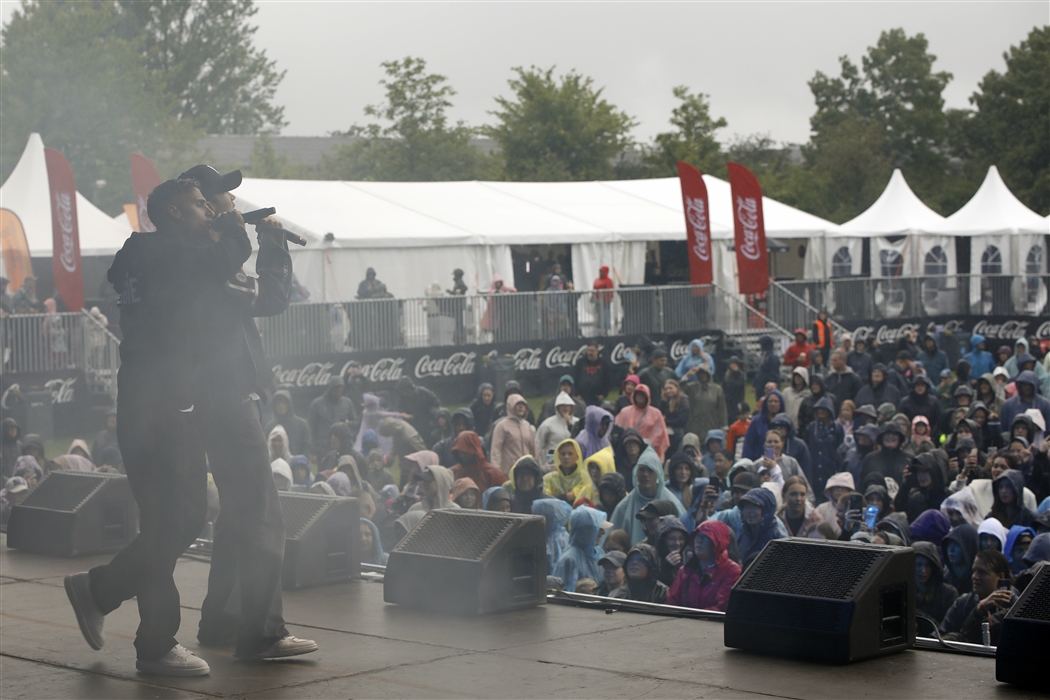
(322, 539)
(827, 601)
(469, 562)
(1024, 641)
(69, 514)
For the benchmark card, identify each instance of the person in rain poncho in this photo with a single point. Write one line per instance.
(647, 420)
(934, 596)
(598, 465)
(959, 547)
(758, 509)
(961, 508)
(1017, 540)
(571, 476)
(437, 489)
(696, 356)
(556, 512)
(525, 484)
(580, 559)
(708, 575)
(466, 494)
(1007, 506)
(597, 424)
(642, 568)
(278, 443)
(991, 535)
(371, 546)
(471, 461)
(282, 474)
(649, 486)
(555, 429)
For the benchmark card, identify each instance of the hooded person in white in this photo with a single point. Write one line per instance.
(279, 448)
(555, 429)
(794, 397)
(991, 526)
(840, 483)
(963, 503)
(437, 489)
(282, 474)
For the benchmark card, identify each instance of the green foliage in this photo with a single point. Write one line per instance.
(416, 143)
(693, 140)
(555, 130)
(1011, 128)
(202, 52)
(70, 75)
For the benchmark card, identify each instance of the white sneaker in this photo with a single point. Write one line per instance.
(287, 646)
(89, 617)
(180, 661)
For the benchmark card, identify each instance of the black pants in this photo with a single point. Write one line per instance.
(167, 473)
(248, 551)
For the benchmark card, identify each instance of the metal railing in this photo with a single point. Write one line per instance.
(41, 343)
(868, 298)
(789, 310)
(381, 324)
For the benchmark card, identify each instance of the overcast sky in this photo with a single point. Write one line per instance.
(753, 59)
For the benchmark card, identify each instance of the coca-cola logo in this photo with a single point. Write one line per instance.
(1043, 332)
(696, 214)
(526, 359)
(318, 374)
(455, 365)
(747, 215)
(64, 215)
(564, 358)
(1008, 330)
(61, 389)
(619, 354)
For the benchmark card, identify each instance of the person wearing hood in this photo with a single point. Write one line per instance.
(556, 512)
(734, 382)
(837, 486)
(442, 430)
(933, 596)
(417, 405)
(799, 353)
(1007, 506)
(991, 535)
(681, 473)
(483, 408)
(758, 508)
(512, 437)
(1017, 363)
(817, 391)
(982, 489)
(864, 441)
(1018, 538)
(466, 494)
(404, 438)
(580, 560)
(981, 361)
(793, 447)
(371, 417)
(462, 419)
(891, 459)
(525, 484)
(33, 446)
(929, 526)
(755, 438)
(959, 547)
(630, 447)
(598, 465)
(796, 392)
(924, 484)
(704, 458)
(511, 388)
(471, 462)
(571, 477)
(555, 429)
(341, 440)
(297, 430)
(79, 448)
(646, 419)
(611, 490)
(860, 361)
(654, 376)
(879, 390)
(986, 603)
(107, 437)
(1027, 397)
(705, 580)
(375, 471)
(990, 431)
(706, 401)
(627, 387)
(920, 441)
(593, 375)
(597, 426)
(1038, 550)
(642, 567)
(694, 358)
(842, 382)
(922, 401)
(566, 386)
(675, 408)
(348, 465)
(961, 508)
(278, 444)
(326, 410)
(824, 436)
(371, 546)
(649, 486)
(933, 359)
(496, 500)
(282, 474)
(962, 397)
(302, 476)
(437, 489)
(768, 368)
(670, 547)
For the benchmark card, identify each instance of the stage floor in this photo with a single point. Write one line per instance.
(370, 649)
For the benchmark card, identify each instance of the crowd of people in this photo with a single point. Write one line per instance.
(665, 485)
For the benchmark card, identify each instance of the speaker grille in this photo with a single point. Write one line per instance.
(447, 534)
(1037, 605)
(299, 511)
(65, 491)
(813, 570)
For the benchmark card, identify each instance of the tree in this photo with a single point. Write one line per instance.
(693, 140)
(553, 130)
(202, 52)
(1011, 128)
(417, 143)
(68, 74)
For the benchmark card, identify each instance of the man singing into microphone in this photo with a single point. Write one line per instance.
(234, 374)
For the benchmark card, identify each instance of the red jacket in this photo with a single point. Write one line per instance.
(604, 282)
(484, 474)
(791, 357)
(694, 588)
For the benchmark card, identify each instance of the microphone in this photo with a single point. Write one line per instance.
(254, 217)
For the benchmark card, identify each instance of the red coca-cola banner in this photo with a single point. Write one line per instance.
(144, 178)
(65, 235)
(750, 230)
(697, 224)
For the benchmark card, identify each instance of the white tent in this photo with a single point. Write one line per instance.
(413, 233)
(28, 194)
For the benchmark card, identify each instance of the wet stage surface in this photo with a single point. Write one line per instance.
(373, 650)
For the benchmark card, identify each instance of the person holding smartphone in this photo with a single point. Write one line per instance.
(993, 594)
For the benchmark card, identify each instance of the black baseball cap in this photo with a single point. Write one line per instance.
(211, 182)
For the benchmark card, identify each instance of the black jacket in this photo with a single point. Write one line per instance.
(843, 386)
(593, 379)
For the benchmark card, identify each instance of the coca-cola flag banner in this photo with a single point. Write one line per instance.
(750, 230)
(697, 224)
(144, 178)
(65, 236)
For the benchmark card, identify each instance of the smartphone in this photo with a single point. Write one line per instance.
(1004, 584)
(856, 502)
(871, 516)
(768, 454)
